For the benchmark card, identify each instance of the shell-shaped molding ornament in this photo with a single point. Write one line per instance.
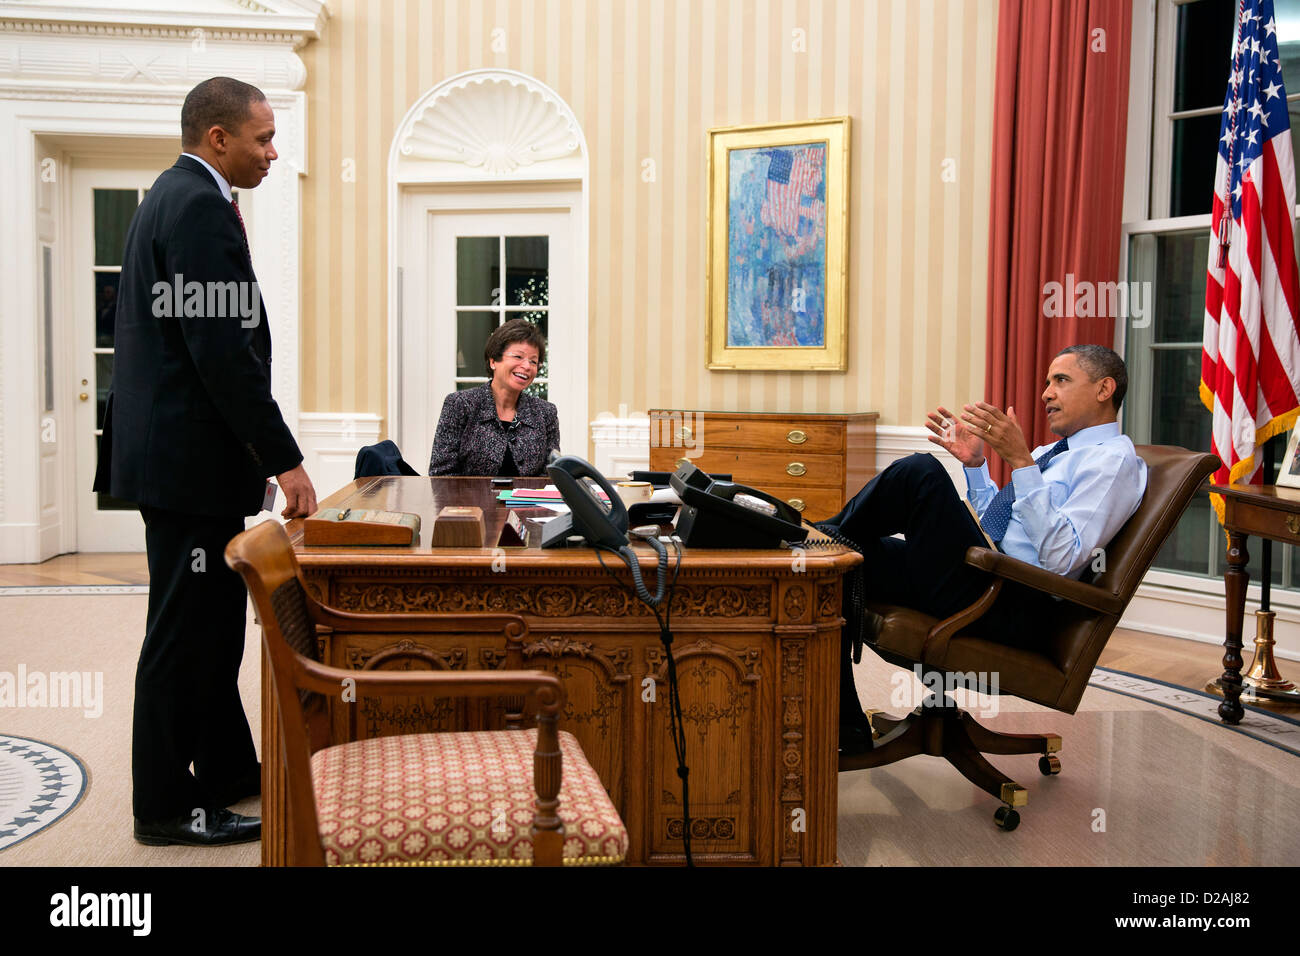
(492, 122)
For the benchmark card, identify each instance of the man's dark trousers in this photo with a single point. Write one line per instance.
(196, 626)
(927, 571)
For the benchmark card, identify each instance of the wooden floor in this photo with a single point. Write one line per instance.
(77, 569)
(1168, 659)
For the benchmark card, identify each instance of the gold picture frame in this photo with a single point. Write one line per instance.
(777, 289)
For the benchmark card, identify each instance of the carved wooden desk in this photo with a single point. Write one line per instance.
(756, 640)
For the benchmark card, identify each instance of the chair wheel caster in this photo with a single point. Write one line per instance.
(1049, 766)
(1006, 818)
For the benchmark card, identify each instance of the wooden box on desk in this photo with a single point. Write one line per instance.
(815, 462)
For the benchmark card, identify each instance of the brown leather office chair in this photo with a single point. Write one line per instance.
(508, 798)
(1055, 672)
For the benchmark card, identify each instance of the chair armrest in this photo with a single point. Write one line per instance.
(1049, 582)
(546, 688)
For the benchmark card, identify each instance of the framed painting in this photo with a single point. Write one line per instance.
(777, 281)
(1289, 474)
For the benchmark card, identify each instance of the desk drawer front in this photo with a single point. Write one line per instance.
(807, 438)
(1265, 522)
(758, 468)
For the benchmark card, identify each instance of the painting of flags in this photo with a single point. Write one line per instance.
(776, 293)
(778, 233)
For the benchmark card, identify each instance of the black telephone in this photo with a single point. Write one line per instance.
(711, 517)
(599, 523)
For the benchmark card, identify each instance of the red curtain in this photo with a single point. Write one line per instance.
(1059, 122)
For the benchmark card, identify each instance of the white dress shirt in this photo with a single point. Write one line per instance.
(1072, 507)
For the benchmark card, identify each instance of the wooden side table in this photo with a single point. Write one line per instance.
(1266, 511)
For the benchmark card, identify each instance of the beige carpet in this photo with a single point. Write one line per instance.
(1141, 784)
(100, 633)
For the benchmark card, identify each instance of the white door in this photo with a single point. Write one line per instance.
(484, 268)
(103, 199)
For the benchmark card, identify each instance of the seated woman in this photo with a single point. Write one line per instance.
(496, 429)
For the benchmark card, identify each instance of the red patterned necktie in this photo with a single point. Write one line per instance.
(242, 230)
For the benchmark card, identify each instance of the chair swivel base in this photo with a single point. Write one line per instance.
(948, 731)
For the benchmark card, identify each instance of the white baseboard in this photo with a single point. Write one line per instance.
(330, 442)
(20, 543)
(622, 444)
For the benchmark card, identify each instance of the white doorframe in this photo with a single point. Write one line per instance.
(78, 74)
(423, 383)
(35, 129)
(93, 529)
(498, 137)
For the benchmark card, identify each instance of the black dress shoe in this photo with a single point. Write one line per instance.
(221, 828)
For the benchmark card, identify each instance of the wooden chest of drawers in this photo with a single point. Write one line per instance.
(816, 462)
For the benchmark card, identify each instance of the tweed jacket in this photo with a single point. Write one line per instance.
(470, 440)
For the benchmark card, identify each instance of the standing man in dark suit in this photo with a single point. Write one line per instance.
(191, 433)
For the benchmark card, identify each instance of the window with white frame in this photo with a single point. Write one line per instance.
(1168, 249)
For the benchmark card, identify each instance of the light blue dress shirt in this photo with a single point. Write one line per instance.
(1074, 506)
(221, 180)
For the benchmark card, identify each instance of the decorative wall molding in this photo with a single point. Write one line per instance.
(496, 122)
(130, 62)
(294, 22)
(622, 444)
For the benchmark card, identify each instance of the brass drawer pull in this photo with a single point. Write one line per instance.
(684, 434)
(795, 468)
(797, 504)
(683, 461)
(1293, 523)
(796, 437)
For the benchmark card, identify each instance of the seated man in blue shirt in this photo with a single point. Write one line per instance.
(1063, 502)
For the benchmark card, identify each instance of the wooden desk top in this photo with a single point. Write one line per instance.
(426, 496)
(1267, 496)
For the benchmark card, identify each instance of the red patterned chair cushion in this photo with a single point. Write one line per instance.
(455, 799)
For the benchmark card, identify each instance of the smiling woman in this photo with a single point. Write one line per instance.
(497, 428)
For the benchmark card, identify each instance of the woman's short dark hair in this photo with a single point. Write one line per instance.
(510, 333)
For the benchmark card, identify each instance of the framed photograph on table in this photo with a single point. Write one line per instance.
(778, 246)
(1289, 473)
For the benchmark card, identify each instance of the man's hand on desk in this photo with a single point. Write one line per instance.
(960, 441)
(299, 495)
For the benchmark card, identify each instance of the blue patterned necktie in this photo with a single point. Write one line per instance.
(998, 514)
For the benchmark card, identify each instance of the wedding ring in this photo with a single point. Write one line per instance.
(989, 428)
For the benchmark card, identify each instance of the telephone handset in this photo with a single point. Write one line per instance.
(712, 518)
(598, 522)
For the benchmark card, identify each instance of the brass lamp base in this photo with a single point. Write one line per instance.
(1263, 685)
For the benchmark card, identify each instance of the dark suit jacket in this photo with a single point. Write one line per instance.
(470, 442)
(190, 424)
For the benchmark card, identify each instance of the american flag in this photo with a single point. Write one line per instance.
(792, 174)
(1250, 361)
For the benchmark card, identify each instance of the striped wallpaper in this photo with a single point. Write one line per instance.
(647, 80)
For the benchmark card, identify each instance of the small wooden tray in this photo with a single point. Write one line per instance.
(360, 528)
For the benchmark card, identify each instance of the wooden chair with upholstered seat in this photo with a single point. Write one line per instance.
(1055, 671)
(509, 797)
